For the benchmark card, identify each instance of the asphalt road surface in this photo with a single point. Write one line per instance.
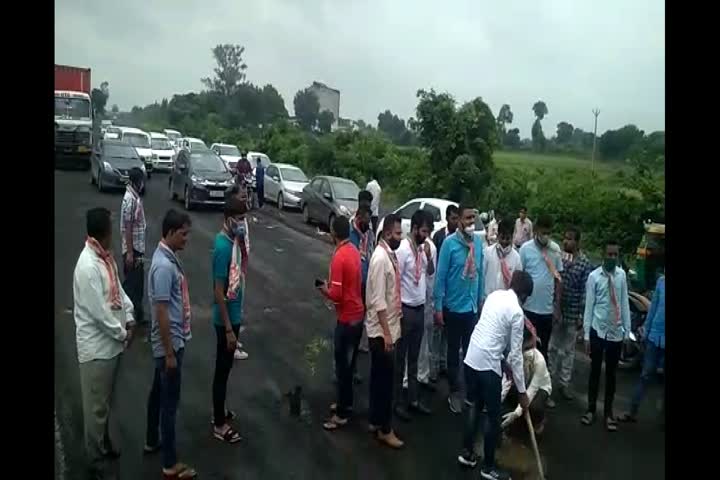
(285, 320)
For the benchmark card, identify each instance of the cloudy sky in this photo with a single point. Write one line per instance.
(573, 54)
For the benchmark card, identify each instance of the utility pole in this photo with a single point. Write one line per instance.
(596, 112)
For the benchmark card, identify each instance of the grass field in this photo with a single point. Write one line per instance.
(509, 159)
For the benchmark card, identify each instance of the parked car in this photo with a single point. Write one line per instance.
(254, 158)
(229, 153)
(200, 177)
(173, 136)
(284, 184)
(111, 162)
(192, 144)
(141, 141)
(163, 153)
(325, 197)
(436, 206)
(112, 133)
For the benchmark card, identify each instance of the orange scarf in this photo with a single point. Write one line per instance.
(507, 276)
(417, 252)
(613, 296)
(394, 261)
(470, 269)
(111, 267)
(363, 240)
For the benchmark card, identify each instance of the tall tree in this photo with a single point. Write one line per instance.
(325, 121)
(115, 108)
(99, 98)
(540, 109)
(512, 138)
(538, 136)
(505, 116)
(394, 127)
(230, 70)
(564, 132)
(616, 144)
(307, 108)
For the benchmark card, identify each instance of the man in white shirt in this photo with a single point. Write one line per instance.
(103, 329)
(414, 262)
(523, 229)
(537, 383)
(499, 329)
(500, 260)
(374, 187)
(383, 329)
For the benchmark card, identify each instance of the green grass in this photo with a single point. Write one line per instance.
(515, 159)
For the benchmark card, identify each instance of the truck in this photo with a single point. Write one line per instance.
(73, 115)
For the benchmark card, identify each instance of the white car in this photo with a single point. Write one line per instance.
(141, 141)
(173, 136)
(436, 206)
(163, 152)
(230, 154)
(191, 144)
(254, 158)
(284, 184)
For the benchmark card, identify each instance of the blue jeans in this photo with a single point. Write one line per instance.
(162, 409)
(654, 357)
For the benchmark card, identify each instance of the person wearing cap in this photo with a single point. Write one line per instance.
(132, 233)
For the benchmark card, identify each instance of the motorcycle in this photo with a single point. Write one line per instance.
(246, 186)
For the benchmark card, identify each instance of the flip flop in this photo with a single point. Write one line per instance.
(334, 422)
(230, 435)
(588, 418)
(183, 472)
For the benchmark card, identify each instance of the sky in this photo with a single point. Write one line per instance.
(574, 55)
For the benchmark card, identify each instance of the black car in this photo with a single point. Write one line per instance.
(111, 162)
(200, 178)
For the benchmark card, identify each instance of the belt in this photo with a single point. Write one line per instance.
(418, 307)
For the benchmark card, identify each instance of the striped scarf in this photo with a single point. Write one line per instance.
(417, 252)
(507, 276)
(363, 240)
(394, 261)
(470, 269)
(111, 267)
(238, 264)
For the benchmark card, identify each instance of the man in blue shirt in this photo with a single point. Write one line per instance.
(170, 302)
(458, 294)
(229, 265)
(260, 182)
(541, 258)
(606, 323)
(654, 348)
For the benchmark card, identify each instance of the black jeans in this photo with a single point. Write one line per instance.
(260, 196)
(412, 325)
(347, 339)
(223, 365)
(483, 390)
(374, 222)
(162, 408)
(543, 325)
(459, 328)
(599, 348)
(134, 284)
(382, 366)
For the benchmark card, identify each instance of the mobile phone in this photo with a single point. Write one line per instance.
(319, 283)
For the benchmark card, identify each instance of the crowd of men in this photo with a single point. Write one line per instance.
(498, 318)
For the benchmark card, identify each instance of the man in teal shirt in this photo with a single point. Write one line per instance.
(229, 266)
(458, 294)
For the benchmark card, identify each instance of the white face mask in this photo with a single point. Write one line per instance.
(470, 229)
(504, 250)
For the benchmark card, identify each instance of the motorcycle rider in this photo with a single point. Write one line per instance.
(242, 178)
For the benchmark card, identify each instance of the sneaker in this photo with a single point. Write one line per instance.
(550, 403)
(494, 473)
(241, 355)
(455, 403)
(467, 459)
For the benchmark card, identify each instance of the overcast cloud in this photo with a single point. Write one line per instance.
(573, 54)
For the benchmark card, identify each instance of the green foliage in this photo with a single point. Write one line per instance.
(512, 138)
(394, 127)
(505, 116)
(565, 132)
(538, 136)
(325, 121)
(540, 109)
(230, 69)
(616, 144)
(99, 98)
(307, 109)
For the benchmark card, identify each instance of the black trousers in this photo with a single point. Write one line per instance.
(347, 339)
(412, 325)
(610, 351)
(134, 284)
(374, 223)
(484, 389)
(543, 325)
(260, 196)
(223, 365)
(459, 328)
(382, 365)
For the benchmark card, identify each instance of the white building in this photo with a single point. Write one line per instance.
(329, 99)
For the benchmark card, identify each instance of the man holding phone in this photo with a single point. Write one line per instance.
(383, 329)
(344, 291)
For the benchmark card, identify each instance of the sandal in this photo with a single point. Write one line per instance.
(588, 418)
(627, 418)
(229, 415)
(611, 424)
(182, 472)
(334, 422)
(230, 435)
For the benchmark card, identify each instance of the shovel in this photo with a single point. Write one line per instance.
(534, 444)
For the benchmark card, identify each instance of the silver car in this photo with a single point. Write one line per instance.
(284, 185)
(325, 198)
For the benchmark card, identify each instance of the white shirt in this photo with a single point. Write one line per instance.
(380, 294)
(492, 268)
(99, 330)
(412, 294)
(492, 231)
(500, 325)
(374, 187)
(537, 376)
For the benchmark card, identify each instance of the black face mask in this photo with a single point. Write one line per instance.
(393, 244)
(418, 239)
(364, 227)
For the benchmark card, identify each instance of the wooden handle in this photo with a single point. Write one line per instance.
(534, 444)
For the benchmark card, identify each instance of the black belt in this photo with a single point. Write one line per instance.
(419, 307)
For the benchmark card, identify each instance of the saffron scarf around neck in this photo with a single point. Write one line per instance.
(470, 269)
(363, 240)
(507, 276)
(111, 269)
(394, 261)
(417, 253)
(238, 265)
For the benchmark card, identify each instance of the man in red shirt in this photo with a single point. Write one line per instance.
(345, 292)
